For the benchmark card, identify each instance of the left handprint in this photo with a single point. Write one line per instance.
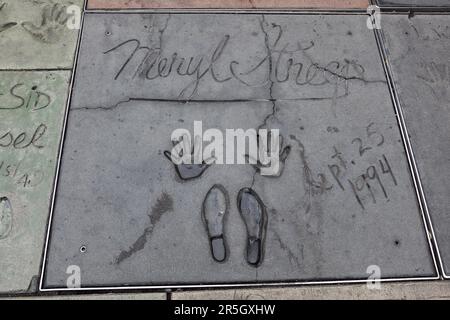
(188, 170)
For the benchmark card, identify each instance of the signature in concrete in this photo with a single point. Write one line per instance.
(23, 139)
(282, 62)
(20, 96)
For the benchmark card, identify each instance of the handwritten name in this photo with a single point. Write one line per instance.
(19, 96)
(281, 63)
(23, 139)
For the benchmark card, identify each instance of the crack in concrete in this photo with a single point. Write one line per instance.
(307, 175)
(292, 257)
(186, 101)
(161, 31)
(270, 71)
(273, 112)
(106, 108)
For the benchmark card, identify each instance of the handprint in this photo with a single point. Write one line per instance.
(437, 78)
(271, 169)
(184, 163)
(54, 19)
(5, 26)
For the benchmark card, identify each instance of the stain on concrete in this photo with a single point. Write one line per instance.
(163, 204)
(33, 287)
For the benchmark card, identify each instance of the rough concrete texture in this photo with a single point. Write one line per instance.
(235, 4)
(97, 296)
(124, 217)
(418, 50)
(31, 113)
(413, 3)
(37, 34)
(388, 291)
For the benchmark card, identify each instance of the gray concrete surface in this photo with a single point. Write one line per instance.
(37, 34)
(96, 296)
(227, 4)
(422, 290)
(419, 55)
(437, 290)
(414, 3)
(124, 217)
(32, 106)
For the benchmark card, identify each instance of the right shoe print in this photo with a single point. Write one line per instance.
(254, 214)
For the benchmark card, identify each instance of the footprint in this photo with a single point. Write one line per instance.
(254, 214)
(215, 208)
(5, 217)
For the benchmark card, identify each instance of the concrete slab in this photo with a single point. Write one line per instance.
(419, 55)
(413, 3)
(437, 290)
(234, 4)
(105, 296)
(124, 217)
(31, 113)
(37, 34)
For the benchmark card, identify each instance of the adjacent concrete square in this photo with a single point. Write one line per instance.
(413, 3)
(31, 114)
(418, 50)
(38, 34)
(423, 290)
(344, 202)
(104, 296)
(232, 4)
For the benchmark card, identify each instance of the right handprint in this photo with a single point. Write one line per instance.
(278, 153)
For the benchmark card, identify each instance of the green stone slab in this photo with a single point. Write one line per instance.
(31, 116)
(35, 34)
